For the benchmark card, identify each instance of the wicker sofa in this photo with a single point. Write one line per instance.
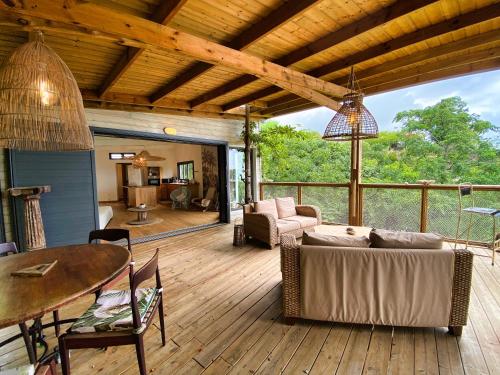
(391, 292)
(267, 220)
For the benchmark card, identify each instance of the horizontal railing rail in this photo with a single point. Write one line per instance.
(415, 207)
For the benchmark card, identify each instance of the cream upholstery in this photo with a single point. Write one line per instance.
(267, 207)
(285, 226)
(286, 207)
(303, 221)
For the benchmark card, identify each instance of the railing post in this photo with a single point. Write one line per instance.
(261, 191)
(424, 208)
(360, 205)
(299, 194)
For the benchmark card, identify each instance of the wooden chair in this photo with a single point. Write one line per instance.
(112, 235)
(204, 203)
(10, 248)
(107, 334)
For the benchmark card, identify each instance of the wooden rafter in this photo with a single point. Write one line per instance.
(136, 31)
(384, 15)
(459, 22)
(453, 67)
(251, 35)
(163, 14)
(441, 50)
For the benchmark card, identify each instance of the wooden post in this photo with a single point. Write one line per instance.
(248, 174)
(424, 208)
(360, 205)
(355, 178)
(261, 191)
(299, 194)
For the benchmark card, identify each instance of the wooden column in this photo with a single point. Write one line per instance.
(424, 208)
(248, 154)
(355, 178)
(34, 234)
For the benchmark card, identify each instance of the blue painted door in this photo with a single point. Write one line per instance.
(70, 210)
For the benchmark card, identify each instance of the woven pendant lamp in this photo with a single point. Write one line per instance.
(352, 120)
(41, 108)
(141, 159)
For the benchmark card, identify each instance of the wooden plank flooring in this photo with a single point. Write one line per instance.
(223, 313)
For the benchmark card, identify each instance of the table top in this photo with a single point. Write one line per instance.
(80, 270)
(140, 209)
(340, 230)
(483, 211)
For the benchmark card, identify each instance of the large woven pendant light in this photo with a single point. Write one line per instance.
(41, 108)
(352, 120)
(141, 160)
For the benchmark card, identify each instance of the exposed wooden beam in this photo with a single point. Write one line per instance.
(136, 31)
(251, 35)
(384, 15)
(431, 71)
(163, 14)
(459, 22)
(427, 54)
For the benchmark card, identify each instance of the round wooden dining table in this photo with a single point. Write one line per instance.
(80, 270)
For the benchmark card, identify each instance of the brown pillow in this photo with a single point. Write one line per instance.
(405, 240)
(319, 239)
(286, 207)
(267, 206)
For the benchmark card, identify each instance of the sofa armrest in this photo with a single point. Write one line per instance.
(261, 226)
(290, 270)
(309, 210)
(462, 279)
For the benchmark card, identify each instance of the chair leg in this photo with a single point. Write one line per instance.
(162, 322)
(64, 354)
(57, 327)
(141, 360)
(27, 343)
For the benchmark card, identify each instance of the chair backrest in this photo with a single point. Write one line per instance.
(210, 193)
(112, 234)
(146, 272)
(8, 248)
(465, 190)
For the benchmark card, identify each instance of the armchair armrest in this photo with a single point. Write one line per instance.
(261, 226)
(290, 270)
(462, 278)
(309, 210)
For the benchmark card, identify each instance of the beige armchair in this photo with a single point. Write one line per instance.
(267, 220)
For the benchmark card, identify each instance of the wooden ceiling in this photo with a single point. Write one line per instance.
(294, 55)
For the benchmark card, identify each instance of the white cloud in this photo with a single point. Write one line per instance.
(431, 100)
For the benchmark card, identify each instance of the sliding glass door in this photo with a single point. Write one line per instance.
(236, 175)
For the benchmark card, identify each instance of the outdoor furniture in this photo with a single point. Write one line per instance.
(80, 270)
(128, 316)
(267, 220)
(181, 197)
(204, 203)
(370, 285)
(10, 248)
(467, 190)
(112, 235)
(142, 215)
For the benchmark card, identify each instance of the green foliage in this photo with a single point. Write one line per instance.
(443, 142)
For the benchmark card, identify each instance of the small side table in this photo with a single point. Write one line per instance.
(494, 214)
(142, 215)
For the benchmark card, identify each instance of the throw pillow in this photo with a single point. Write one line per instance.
(320, 239)
(267, 206)
(405, 240)
(286, 207)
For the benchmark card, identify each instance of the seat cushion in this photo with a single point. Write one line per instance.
(405, 240)
(113, 312)
(285, 207)
(320, 239)
(267, 206)
(285, 226)
(304, 221)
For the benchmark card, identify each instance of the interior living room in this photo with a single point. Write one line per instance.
(152, 187)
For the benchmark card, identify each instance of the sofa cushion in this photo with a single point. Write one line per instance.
(286, 207)
(304, 221)
(405, 240)
(320, 239)
(285, 226)
(267, 206)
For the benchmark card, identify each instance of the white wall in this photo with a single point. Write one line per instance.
(172, 152)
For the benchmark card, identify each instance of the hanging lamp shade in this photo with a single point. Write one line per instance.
(352, 120)
(41, 108)
(141, 159)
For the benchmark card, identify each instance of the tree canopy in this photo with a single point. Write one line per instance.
(443, 142)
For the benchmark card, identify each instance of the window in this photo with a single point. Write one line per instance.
(120, 155)
(185, 170)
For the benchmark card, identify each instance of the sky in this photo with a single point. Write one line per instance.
(480, 91)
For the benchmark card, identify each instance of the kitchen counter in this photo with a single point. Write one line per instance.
(142, 194)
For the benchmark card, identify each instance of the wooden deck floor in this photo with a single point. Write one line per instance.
(224, 316)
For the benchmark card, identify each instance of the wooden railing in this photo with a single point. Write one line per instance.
(419, 207)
